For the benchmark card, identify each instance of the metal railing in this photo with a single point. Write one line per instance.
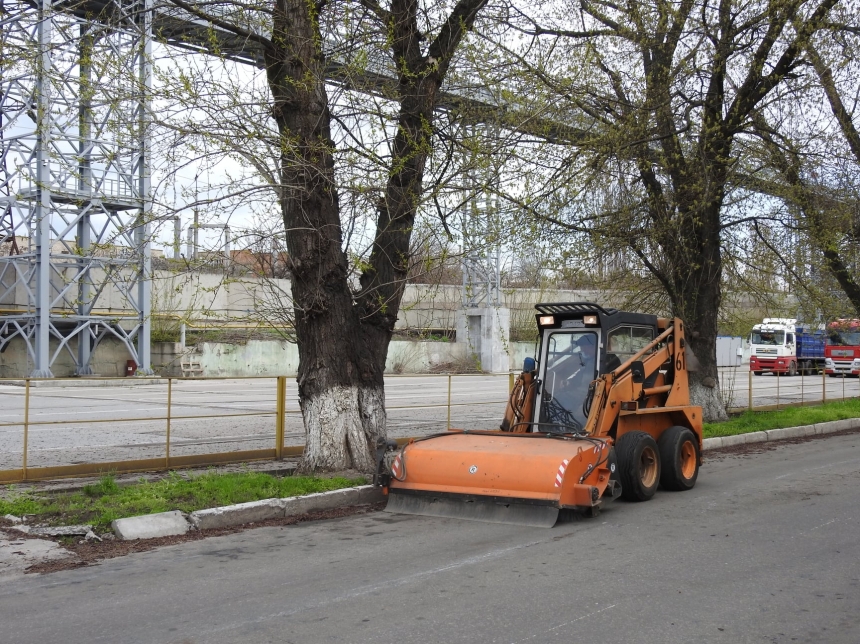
(277, 429)
(68, 436)
(769, 392)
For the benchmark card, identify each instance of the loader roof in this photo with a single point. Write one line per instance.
(609, 317)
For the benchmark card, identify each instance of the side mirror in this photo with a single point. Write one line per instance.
(529, 365)
(637, 371)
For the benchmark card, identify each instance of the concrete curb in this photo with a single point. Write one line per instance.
(148, 526)
(233, 515)
(781, 434)
(132, 381)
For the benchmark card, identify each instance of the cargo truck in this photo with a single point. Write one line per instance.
(842, 352)
(782, 346)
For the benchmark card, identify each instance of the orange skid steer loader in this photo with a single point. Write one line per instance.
(604, 412)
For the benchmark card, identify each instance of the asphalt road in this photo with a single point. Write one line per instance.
(765, 549)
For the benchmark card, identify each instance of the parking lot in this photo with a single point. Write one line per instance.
(69, 425)
(81, 424)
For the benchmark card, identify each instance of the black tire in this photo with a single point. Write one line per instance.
(756, 373)
(614, 476)
(612, 464)
(792, 369)
(679, 459)
(638, 466)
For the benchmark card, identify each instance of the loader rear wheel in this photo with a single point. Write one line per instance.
(638, 466)
(679, 456)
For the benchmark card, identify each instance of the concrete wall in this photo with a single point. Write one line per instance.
(273, 358)
(167, 358)
(211, 298)
(109, 359)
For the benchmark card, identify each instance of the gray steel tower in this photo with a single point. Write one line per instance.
(75, 198)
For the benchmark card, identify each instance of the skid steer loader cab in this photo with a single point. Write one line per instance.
(578, 343)
(571, 359)
(604, 412)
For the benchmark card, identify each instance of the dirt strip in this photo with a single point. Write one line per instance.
(766, 446)
(85, 553)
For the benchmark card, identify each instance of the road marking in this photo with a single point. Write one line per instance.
(363, 591)
(825, 524)
(573, 621)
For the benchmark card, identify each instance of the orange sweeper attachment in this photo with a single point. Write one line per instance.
(604, 411)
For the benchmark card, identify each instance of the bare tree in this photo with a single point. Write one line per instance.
(343, 325)
(810, 164)
(665, 94)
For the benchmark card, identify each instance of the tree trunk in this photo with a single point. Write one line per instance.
(700, 323)
(341, 389)
(696, 292)
(343, 337)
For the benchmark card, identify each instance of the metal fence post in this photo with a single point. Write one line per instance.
(823, 386)
(801, 387)
(843, 386)
(26, 426)
(449, 401)
(511, 381)
(750, 390)
(169, 403)
(777, 390)
(280, 415)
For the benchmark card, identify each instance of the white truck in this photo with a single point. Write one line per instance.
(781, 346)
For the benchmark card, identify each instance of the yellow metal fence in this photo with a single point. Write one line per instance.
(743, 390)
(279, 416)
(739, 386)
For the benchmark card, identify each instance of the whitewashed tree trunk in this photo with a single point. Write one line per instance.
(709, 399)
(343, 335)
(342, 424)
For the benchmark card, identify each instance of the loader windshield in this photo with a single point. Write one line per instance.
(571, 365)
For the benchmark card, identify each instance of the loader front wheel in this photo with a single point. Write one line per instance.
(679, 456)
(638, 466)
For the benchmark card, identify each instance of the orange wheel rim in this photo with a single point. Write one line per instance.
(648, 467)
(688, 459)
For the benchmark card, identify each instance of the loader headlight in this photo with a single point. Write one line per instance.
(589, 319)
(546, 320)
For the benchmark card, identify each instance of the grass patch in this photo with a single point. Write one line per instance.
(102, 502)
(752, 421)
